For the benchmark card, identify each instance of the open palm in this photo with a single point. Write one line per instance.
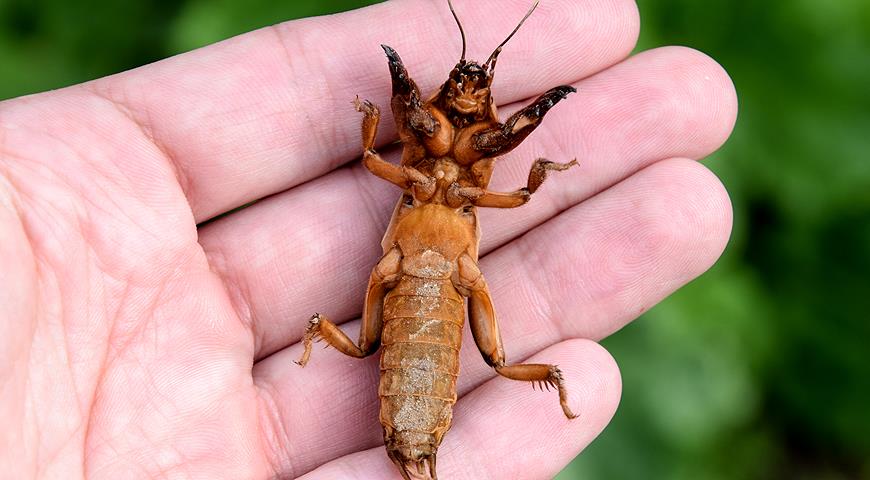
(136, 343)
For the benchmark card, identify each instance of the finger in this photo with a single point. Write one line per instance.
(502, 417)
(584, 273)
(282, 263)
(662, 103)
(270, 109)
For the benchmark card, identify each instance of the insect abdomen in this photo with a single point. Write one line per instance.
(422, 335)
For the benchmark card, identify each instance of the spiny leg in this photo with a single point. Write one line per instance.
(320, 328)
(545, 376)
(484, 329)
(383, 277)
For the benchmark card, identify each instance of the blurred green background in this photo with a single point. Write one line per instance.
(759, 369)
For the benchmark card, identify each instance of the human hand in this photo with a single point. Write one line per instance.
(137, 344)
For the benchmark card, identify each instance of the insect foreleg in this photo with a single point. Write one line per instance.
(484, 329)
(507, 136)
(412, 118)
(403, 85)
(384, 276)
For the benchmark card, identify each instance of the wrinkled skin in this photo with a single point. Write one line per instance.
(135, 344)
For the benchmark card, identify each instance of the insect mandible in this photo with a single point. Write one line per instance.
(415, 303)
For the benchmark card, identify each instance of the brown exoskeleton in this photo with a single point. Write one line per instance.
(416, 298)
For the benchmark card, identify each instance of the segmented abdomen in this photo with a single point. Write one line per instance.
(422, 335)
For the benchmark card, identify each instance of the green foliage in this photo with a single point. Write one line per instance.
(53, 43)
(760, 368)
(757, 370)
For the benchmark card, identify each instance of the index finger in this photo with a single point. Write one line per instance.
(268, 110)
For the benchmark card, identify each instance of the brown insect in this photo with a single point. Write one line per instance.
(416, 297)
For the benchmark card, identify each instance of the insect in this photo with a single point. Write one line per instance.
(415, 304)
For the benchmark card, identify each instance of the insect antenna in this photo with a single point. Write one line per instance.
(490, 62)
(461, 30)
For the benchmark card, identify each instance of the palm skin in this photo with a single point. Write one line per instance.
(124, 340)
(136, 343)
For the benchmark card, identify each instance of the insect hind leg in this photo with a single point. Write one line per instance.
(484, 329)
(383, 276)
(542, 374)
(320, 328)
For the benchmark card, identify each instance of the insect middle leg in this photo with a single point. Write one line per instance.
(371, 160)
(402, 176)
(384, 276)
(481, 197)
(484, 329)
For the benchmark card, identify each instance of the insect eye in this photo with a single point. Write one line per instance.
(408, 201)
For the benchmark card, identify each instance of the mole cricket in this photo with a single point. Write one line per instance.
(415, 303)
